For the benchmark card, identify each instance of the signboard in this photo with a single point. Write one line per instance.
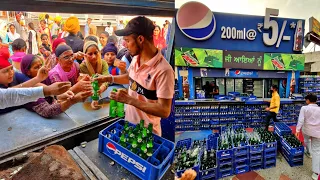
(276, 61)
(314, 26)
(237, 32)
(241, 73)
(198, 57)
(243, 60)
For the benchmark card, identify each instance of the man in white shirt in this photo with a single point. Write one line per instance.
(18, 96)
(310, 124)
(109, 28)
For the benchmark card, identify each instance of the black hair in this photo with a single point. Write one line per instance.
(105, 33)
(275, 87)
(54, 37)
(0, 39)
(12, 25)
(112, 39)
(91, 38)
(43, 35)
(18, 44)
(156, 26)
(312, 98)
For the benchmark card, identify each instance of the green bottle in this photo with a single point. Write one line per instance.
(134, 146)
(123, 140)
(113, 106)
(95, 87)
(144, 133)
(150, 148)
(139, 139)
(126, 127)
(150, 129)
(144, 151)
(141, 124)
(120, 109)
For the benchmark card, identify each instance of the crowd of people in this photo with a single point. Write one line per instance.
(130, 54)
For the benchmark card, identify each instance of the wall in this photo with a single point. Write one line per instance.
(314, 59)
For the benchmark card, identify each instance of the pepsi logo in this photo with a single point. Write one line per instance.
(237, 72)
(111, 148)
(198, 25)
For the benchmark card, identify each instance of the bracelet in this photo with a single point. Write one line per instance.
(112, 79)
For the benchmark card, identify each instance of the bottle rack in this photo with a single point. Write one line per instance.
(248, 86)
(294, 156)
(205, 117)
(152, 168)
(309, 84)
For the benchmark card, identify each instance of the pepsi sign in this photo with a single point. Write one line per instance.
(196, 26)
(237, 32)
(241, 73)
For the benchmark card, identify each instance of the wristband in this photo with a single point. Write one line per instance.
(112, 79)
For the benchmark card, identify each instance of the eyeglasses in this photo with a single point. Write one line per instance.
(66, 58)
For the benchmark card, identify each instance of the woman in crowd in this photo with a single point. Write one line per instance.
(68, 70)
(45, 30)
(19, 47)
(93, 64)
(103, 39)
(45, 47)
(11, 36)
(91, 38)
(47, 107)
(32, 40)
(52, 59)
(158, 40)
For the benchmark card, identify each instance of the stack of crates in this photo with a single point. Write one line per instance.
(188, 144)
(294, 156)
(225, 162)
(241, 155)
(269, 155)
(212, 172)
(256, 156)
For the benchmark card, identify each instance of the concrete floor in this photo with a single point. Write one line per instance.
(282, 169)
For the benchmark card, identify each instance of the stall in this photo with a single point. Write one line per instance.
(240, 56)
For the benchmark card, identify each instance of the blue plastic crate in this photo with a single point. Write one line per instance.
(241, 163)
(184, 142)
(255, 167)
(269, 164)
(256, 148)
(221, 154)
(241, 157)
(282, 129)
(152, 168)
(292, 151)
(208, 174)
(241, 169)
(225, 172)
(293, 162)
(256, 158)
(272, 146)
(237, 151)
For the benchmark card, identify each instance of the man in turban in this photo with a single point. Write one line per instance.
(72, 26)
(56, 26)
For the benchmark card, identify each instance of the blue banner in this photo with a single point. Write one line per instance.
(240, 32)
(241, 73)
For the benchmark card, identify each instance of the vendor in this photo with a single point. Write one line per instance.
(150, 75)
(207, 88)
(215, 89)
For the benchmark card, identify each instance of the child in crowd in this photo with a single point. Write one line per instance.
(19, 47)
(109, 53)
(45, 47)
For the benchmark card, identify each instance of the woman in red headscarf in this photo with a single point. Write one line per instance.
(52, 58)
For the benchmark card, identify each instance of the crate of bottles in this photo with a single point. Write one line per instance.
(122, 139)
(293, 161)
(224, 150)
(208, 165)
(187, 158)
(241, 169)
(282, 129)
(292, 145)
(183, 143)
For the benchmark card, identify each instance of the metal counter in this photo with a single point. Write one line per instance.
(213, 101)
(22, 128)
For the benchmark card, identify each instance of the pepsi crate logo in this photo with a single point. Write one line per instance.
(112, 149)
